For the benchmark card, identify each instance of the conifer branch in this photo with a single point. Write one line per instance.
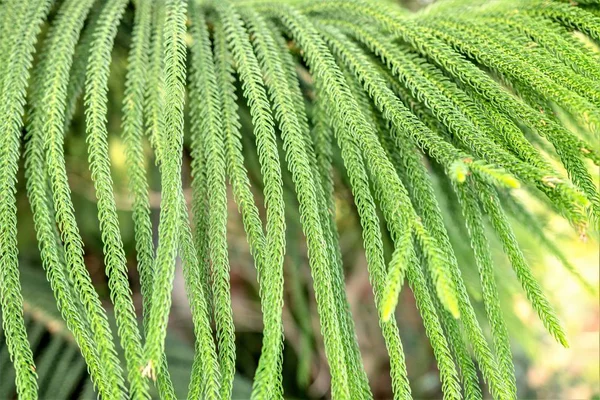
(433, 121)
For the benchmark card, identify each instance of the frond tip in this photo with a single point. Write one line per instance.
(434, 121)
(395, 276)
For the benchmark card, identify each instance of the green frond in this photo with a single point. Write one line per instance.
(18, 44)
(305, 181)
(52, 122)
(56, 357)
(446, 365)
(359, 65)
(481, 117)
(208, 140)
(373, 243)
(534, 293)
(427, 41)
(151, 108)
(460, 118)
(59, 56)
(414, 173)
(236, 170)
(406, 161)
(169, 139)
(483, 258)
(204, 382)
(520, 213)
(115, 263)
(458, 347)
(205, 375)
(133, 135)
(293, 121)
(77, 74)
(396, 272)
(154, 103)
(320, 156)
(133, 138)
(268, 249)
(569, 15)
(557, 40)
(494, 55)
(428, 131)
(233, 33)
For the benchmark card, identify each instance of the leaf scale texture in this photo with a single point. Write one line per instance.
(438, 123)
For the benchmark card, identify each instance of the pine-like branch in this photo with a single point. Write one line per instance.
(432, 120)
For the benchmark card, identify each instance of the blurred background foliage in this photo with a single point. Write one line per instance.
(545, 370)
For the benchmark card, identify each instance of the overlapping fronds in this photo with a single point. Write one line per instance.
(21, 24)
(72, 286)
(465, 106)
(62, 372)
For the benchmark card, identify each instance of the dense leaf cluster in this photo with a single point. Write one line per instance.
(460, 103)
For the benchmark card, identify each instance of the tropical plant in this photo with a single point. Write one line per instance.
(432, 119)
(61, 370)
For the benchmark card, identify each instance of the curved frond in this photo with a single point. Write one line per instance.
(96, 88)
(18, 44)
(54, 69)
(434, 133)
(169, 139)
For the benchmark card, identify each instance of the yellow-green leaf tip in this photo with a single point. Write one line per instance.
(451, 304)
(511, 182)
(389, 305)
(459, 171)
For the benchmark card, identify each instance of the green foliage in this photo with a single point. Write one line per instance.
(73, 286)
(461, 107)
(62, 372)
